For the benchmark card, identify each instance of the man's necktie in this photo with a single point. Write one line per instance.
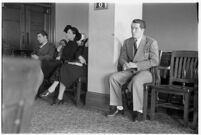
(134, 47)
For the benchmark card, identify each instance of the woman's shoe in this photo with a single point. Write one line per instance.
(58, 101)
(46, 93)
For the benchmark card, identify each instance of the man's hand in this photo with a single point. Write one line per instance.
(132, 65)
(129, 65)
(34, 56)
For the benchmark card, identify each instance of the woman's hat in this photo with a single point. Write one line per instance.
(75, 30)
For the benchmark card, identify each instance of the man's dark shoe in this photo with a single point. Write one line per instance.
(114, 111)
(137, 116)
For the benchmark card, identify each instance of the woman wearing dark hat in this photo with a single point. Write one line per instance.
(68, 54)
(72, 35)
(71, 71)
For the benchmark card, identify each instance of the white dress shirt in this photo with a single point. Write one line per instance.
(138, 42)
(43, 44)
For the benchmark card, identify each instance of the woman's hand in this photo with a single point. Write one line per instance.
(82, 60)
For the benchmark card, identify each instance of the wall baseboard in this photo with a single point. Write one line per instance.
(97, 100)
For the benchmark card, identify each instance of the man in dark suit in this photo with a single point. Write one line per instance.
(45, 53)
(139, 53)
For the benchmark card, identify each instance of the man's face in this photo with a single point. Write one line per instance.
(41, 39)
(136, 31)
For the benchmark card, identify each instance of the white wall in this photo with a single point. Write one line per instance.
(75, 14)
(101, 29)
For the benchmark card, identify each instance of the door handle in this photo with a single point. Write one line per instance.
(28, 38)
(23, 39)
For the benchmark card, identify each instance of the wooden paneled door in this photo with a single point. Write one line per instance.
(11, 21)
(22, 21)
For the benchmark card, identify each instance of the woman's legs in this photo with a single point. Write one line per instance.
(52, 88)
(61, 91)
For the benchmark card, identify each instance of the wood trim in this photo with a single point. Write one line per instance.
(50, 23)
(53, 22)
(22, 27)
(97, 100)
(46, 5)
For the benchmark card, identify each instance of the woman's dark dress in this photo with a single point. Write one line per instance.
(69, 51)
(69, 73)
(68, 54)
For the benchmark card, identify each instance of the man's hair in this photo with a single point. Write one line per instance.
(42, 32)
(141, 22)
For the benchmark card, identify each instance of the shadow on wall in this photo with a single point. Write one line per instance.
(117, 48)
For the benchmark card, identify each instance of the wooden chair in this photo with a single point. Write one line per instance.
(80, 89)
(195, 113)
(156, 81)
(183, 71)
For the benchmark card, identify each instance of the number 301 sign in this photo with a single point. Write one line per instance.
(101, 5)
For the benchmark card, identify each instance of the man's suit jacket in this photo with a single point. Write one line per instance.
(47, 52)
(46, 55)
(146, 56)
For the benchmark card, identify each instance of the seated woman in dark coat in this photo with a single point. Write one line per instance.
(71, 71)
(68, 54)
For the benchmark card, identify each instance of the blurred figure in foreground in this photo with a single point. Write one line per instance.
(21, 79)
